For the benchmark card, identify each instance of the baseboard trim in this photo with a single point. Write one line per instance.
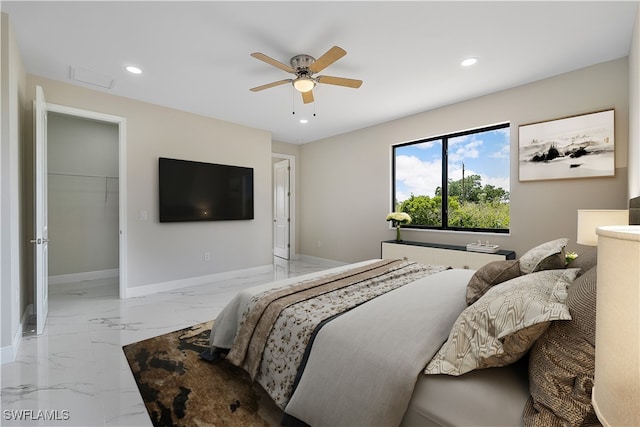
(81, 277)
(154, 288)
(311, 258)
(9, 353)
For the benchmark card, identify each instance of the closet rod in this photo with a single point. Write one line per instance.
(83, 176)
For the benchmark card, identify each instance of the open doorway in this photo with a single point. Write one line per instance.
(41, 110)
(83, 201)
(284, 202)
(119, 190)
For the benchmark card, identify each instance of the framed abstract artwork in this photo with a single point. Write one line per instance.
(573, 147)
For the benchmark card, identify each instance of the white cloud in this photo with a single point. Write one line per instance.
(428, 144)
(417, 177)
(503, 153)
(464, 147)
(497, 181)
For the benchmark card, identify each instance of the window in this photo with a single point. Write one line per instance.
(466, 172)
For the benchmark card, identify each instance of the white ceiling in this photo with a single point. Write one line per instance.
(195, 56)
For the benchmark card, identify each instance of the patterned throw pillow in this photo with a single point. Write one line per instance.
(503, 324)
(562, 363)
(547, 256)
(489, 275)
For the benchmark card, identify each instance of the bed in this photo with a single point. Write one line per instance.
(393, 342)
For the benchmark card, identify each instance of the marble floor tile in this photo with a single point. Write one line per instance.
(75, 373)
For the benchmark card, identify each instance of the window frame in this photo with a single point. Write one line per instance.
(445, 179)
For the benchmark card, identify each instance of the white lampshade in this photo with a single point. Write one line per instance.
(304, 84)
(590, 219)
(616, 392)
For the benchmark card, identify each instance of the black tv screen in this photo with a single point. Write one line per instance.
(196, 191)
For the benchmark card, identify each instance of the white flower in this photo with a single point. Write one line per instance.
(570, 256)
(399, 218)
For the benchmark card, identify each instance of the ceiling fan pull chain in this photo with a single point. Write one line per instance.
(293, 101)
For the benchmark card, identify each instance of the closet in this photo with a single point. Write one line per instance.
(83, 199)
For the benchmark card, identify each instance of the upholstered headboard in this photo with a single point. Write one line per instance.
(634, 211)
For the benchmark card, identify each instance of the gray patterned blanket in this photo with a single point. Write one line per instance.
(277, 324)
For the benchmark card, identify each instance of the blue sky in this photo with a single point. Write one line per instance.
(419, 166)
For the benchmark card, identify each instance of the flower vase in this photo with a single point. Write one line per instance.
(398, 237)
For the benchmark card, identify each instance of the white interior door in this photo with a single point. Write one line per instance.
(41, 239)
(281, 219)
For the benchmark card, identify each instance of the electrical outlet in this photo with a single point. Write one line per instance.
(207, 256)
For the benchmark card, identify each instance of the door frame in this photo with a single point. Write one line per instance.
(41, 229)
(122, 179)
(293, 253)
(281, 199)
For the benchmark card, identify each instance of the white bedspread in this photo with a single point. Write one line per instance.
(363, 365)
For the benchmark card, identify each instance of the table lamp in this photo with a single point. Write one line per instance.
(590, 219)
(616, 391)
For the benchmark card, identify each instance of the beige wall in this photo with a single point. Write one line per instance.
(346, 183)
(284, 148)
(159, 253)
(13, 241)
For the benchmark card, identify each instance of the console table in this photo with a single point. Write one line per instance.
(439, 254)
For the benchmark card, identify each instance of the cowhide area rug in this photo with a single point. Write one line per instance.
(179, 388)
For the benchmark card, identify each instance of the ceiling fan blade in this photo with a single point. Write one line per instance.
(268, 85)
(329, 57)
(307, 97)
(339, 81)
(271, 61)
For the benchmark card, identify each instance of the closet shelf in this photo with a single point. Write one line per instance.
(83, 176)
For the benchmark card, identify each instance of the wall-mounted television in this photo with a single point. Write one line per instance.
(196, 191)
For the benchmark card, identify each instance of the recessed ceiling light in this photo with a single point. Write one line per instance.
(133, 70)
(469, 62)
(303, 121)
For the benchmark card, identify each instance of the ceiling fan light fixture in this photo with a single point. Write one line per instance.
(304, 84)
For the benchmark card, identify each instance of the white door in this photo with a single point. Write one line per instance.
(41, 227)
(281, 220)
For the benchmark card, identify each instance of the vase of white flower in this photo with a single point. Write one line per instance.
(397, 219)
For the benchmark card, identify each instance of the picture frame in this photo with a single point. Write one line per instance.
(581, 146)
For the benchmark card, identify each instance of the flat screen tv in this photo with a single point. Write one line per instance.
(196, 191)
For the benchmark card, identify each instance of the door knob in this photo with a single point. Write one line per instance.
(39, 241)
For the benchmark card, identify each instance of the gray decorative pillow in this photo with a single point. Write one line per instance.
(547, 256)
(504, 323)
(489, 275)
(562, 363)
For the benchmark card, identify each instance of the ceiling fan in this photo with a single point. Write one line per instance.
(304, 67)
